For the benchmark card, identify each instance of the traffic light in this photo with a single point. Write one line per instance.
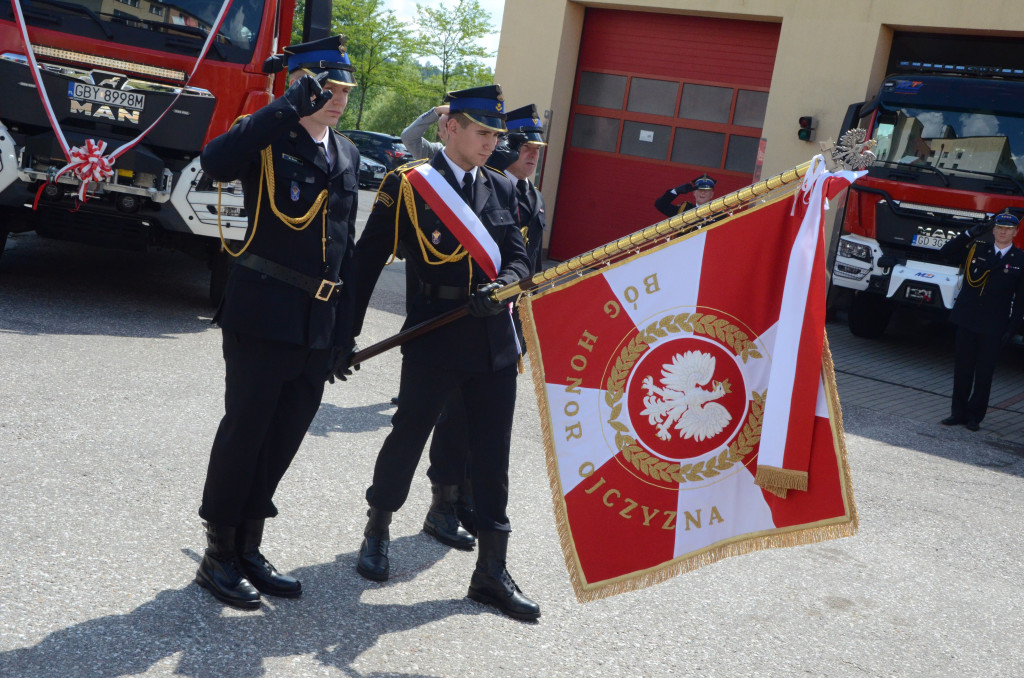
(806, 131)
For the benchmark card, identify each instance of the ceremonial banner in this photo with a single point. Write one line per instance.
(654, 377)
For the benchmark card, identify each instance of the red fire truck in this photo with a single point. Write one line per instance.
(110, 68)
(950, 147)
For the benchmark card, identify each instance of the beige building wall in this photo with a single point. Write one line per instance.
(830, 54)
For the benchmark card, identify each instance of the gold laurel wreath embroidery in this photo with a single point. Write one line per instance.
(645, 462)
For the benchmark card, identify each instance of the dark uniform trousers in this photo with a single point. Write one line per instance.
(449, 448)
(272, 392)
(487, 400)
(983, 313)
(470, 362)
(278, 339)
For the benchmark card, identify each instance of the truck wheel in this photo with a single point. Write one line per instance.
(868, 315)
(220, 266)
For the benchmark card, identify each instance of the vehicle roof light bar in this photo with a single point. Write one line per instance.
(967, 69)
(116, 64)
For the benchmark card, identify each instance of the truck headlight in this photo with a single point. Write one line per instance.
(854, 250)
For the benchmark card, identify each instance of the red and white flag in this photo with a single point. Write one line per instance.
(665, 382)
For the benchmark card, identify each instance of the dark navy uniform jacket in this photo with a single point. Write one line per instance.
(665, 206)
(531, 214)
(470, 344)
(997, 306)
(258, 304)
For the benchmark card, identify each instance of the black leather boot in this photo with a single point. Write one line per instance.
(373, 554)
(442, 524)
(464, 509)
(257, 568)
(493, 585)
(220, 573)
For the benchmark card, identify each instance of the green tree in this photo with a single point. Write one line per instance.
(450, 35)
(378, 45)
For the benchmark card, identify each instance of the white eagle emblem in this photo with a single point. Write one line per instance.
(683, 402)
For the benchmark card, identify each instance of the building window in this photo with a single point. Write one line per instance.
(595, 133)
(698, 147)
(130, 3)
(645, 140)
(156, 9)
(601, 90)
(750, 108)
(705, 102)
(742, 153)
(657, 97)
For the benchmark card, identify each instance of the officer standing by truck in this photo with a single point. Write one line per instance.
(987, 312)
(286, 313)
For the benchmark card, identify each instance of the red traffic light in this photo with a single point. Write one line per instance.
(807, 125)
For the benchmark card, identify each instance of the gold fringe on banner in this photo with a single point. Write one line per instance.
(776, 480)
(834, 528)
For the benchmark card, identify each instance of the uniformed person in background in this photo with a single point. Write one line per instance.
(286, 313)
(517, 155)
(413, 135)
(476, 355)
(987, 312)
(703, 189)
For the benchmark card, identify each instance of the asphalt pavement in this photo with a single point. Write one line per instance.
(111, 387)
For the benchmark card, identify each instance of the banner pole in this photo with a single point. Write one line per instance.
(676, 224)
(852, 152)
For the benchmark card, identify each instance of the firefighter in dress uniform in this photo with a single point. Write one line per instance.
(286, 313)
(517, 156)
(703, 189)
(476, 355)
(988, 311)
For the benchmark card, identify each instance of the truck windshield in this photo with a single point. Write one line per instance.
(954, 142)
(178, 25)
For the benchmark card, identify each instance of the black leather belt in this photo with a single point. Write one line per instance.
(444, 292)
(319, 289)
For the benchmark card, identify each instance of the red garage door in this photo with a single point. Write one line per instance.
(659, 99)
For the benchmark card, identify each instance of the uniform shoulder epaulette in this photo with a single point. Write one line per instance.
(345, 138)
(500, 173)
(401, 169)
(240, 118)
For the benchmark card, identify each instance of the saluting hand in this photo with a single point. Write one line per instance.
(979, 230)
(307, 94)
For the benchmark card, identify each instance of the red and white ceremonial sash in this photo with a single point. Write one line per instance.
(800, 333)
(88, 162)
(457, 216)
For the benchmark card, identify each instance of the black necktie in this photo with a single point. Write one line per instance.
(467, 188)
(322, 148)
(523, 188)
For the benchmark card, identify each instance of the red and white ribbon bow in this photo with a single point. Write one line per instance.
(89, 164)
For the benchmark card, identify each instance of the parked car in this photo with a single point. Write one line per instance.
(371, 172)
(384, 148)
